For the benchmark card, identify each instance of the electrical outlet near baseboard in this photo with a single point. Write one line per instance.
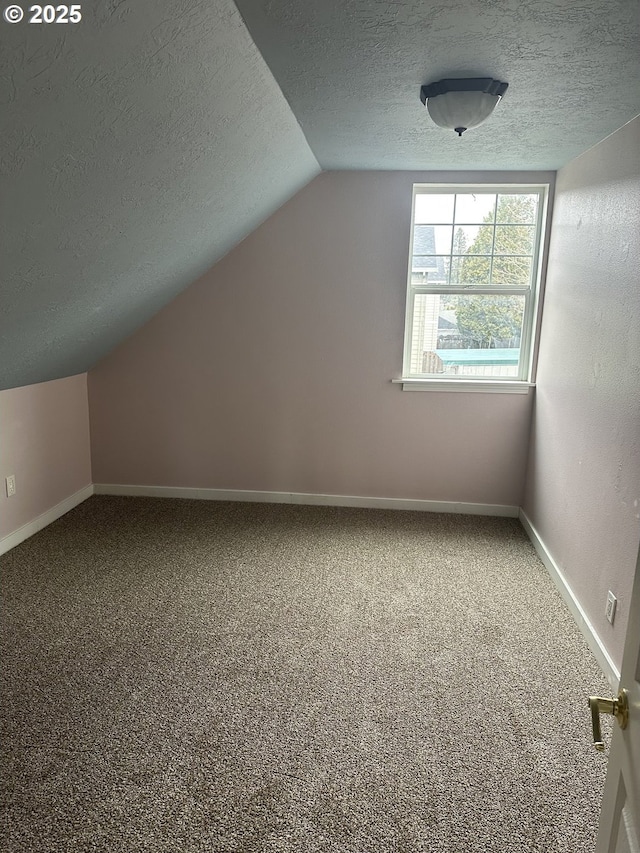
(610, 610)
(11, 485)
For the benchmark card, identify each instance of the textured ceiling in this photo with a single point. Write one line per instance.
(352, 71)
(140, 145)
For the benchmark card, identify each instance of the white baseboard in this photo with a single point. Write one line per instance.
(302, 498)
(586, 628)
(27, 530)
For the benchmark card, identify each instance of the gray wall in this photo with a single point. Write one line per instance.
(583, 483)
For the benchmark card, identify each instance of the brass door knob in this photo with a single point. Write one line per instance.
(618, 708)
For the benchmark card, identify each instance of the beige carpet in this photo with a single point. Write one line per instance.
(193, 676)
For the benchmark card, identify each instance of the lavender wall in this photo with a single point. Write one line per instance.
(583, 483)
(44, 441)
(272, 372)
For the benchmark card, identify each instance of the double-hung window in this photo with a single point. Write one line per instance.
(474, 272)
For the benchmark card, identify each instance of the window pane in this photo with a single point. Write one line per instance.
(518, 208)
(511, 271)
(471, 269)
(473, 239)
(475, 207)
(432, 239)
(433, 207)
(514, 239)
(476, 335)
(424, 337)
(430, 269)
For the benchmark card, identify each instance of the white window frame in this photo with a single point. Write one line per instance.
(523, 381)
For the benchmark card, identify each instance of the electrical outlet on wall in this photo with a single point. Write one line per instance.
(11, 485)
(610, 611)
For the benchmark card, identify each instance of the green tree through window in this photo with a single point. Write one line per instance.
(489, 321)
(495, 320)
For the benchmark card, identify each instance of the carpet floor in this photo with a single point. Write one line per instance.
(198, 676)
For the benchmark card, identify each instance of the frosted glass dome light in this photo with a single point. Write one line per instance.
(464, 103)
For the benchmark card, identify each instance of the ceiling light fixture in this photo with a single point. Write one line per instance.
(461, 104)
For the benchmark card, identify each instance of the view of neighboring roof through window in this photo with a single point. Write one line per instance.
(473, 282)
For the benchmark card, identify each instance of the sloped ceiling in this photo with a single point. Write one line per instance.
(141, 144)
(138, 147)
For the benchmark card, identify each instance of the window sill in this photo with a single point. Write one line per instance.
(467, 386)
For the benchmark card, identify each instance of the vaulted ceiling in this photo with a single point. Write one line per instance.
(141, 144)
